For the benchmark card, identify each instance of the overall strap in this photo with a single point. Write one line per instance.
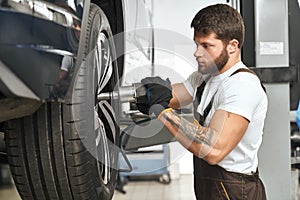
(197, 101)
(249, 71)
(243, 70)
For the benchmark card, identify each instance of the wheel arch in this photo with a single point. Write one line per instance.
(114, 11)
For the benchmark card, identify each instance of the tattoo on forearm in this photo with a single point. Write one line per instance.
(193, 131)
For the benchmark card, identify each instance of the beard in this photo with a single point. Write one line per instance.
(215, 65)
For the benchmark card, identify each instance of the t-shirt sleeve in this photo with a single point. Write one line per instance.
(66, 63)
(241, 98)
(192, 82)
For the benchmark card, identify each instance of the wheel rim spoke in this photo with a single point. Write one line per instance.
(103, 61)
(105, 128)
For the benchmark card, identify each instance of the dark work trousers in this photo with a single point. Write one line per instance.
(212, 182)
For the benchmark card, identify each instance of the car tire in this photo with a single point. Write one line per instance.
(70, 150)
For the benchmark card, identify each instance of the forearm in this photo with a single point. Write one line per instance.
(198, 139)
(181, 97)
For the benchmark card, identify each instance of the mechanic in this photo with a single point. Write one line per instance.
(230, 107)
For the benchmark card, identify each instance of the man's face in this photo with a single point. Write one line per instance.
(210, 54)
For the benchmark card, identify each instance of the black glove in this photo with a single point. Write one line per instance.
(158, 95)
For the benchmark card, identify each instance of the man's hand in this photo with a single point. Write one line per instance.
(158, 95)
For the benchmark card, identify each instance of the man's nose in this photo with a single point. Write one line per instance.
(199, 51)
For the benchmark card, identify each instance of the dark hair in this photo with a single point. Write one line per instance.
(221, 19)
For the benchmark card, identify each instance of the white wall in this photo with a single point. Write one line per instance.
(177, 15)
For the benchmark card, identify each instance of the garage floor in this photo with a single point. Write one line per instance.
(179, 189)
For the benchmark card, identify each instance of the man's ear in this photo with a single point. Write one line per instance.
(233, 46)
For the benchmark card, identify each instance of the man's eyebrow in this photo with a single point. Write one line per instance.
(205, 43)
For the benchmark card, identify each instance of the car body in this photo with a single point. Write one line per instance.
(55, 58)
(38, 34)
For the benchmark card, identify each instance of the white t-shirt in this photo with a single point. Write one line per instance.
(241, 94)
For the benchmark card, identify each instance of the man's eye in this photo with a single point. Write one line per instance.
(206, 46)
